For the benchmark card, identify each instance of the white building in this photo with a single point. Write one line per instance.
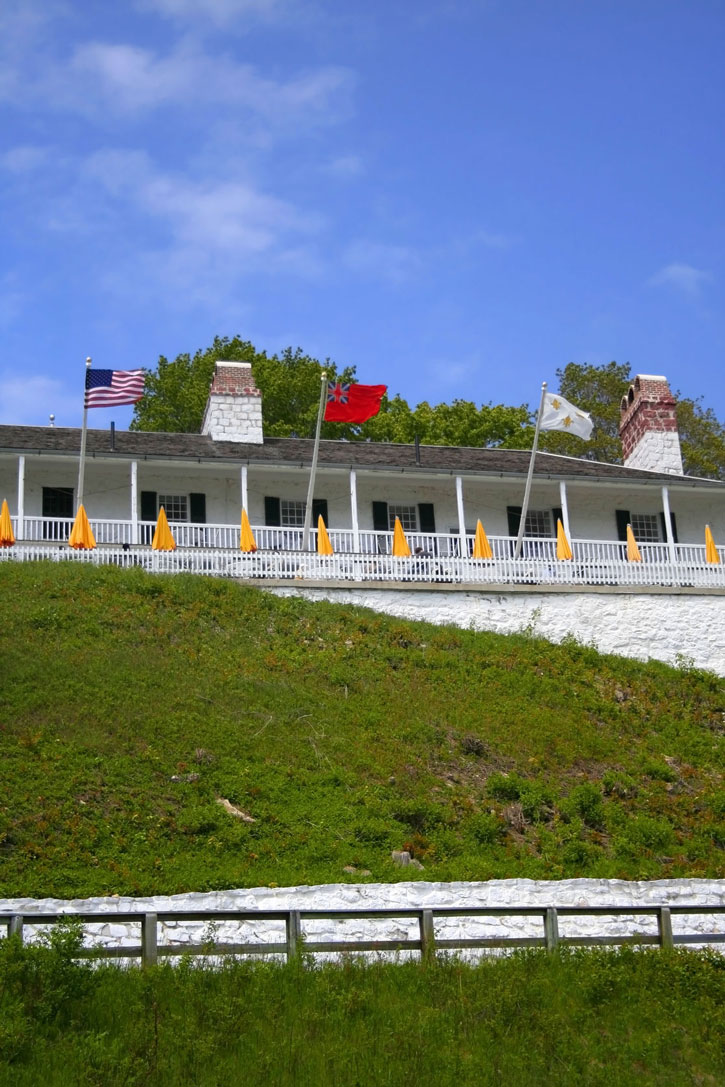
(439, 493)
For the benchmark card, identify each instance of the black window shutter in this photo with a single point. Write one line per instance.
(623, 519)
(148, 513)
(380, 516)
(426, 517)
(148, 506)
(272, 511)
(558, 515)
(663, 526)
(197, 509)
(514, 517)
(319, 509)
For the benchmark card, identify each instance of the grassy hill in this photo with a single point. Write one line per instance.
(131, 704)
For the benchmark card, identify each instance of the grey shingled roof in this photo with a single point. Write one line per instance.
(296, 452)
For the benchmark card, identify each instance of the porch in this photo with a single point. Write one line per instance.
(365, 556)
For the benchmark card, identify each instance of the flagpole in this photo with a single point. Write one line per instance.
(313, 469)
(525, 507)
(82, 464)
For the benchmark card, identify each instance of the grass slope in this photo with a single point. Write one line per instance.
(592, 1018)
(342, 733)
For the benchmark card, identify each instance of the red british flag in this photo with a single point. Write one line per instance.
(348, 402)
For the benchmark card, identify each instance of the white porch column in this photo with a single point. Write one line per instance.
(245, 491)
(461, 516)
(21, 498)
(353, 512)
(564, 509)
(134, 501)
(668, 524)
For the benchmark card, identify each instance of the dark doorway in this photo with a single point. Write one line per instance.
(57, 502)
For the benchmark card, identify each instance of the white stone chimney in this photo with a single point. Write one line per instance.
(648, 426)
(234, 409)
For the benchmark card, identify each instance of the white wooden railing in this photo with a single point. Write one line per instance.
(594, 563)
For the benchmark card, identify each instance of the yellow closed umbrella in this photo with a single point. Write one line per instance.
(400, 544)
(7, 536)
(163, 540)
(81, 535)
(632, 550)
(481, 546)
(711, 552)
(247, 541)
(563, 551)
(324, 547)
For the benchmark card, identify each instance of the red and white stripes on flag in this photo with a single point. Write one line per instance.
(107, 388)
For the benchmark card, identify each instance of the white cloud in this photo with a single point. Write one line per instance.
(228, 216)
(24, 159)
(28, 401)
(122, 79)
(493, 240)
(393, 263)
(344, 166)
(683, 277)
(220, 12)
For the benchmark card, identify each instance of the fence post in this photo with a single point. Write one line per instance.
(148, 939)
(294, 934)
(427, 934)
(664, 920)
(551, 929)
(15, 927)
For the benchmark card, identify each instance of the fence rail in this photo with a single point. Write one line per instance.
(537, 566)
(426, 942)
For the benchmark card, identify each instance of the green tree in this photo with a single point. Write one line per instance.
(177, 391)
(599, 390)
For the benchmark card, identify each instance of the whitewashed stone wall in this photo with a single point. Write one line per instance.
(234, 419)
(657, 451)
(417, 895)
(687, 630)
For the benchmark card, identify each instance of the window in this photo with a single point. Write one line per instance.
(175, 505)
(538, 523)
(406, 515)
(645, 527)
(57, 501)
(292, 513)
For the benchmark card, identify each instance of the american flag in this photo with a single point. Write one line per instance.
(106, 388)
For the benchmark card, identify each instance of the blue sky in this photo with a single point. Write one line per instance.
(455, 196)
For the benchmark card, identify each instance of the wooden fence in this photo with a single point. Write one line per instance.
(149, 950)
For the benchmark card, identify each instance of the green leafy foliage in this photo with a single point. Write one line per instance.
(338, 735)
(176, 394)
(177, 390)
(599, 390)
(594, 1017)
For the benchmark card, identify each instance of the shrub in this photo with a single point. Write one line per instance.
(505, 786)
(586, 802)
(418, 814)
(617, 783)
(580, 855)
(648, 832)
(717, 802)
(537, 801)
(658, 771)
(487, 828)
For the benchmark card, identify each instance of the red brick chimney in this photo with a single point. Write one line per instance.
(648, 426)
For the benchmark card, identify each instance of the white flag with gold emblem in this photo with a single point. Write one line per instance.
(558, 414)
